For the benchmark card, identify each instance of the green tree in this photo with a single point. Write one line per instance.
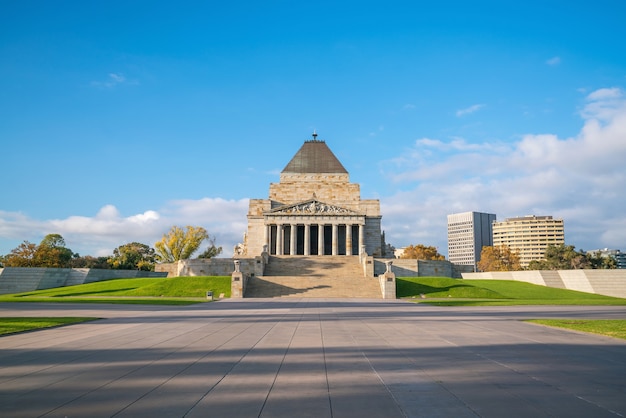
(212, 250)
(90, 262)
(52, 252)
(561, 257)
(421, 252)
(599, 261)
(133, 256)
(499, 258)
(179, 244)
(21, 256)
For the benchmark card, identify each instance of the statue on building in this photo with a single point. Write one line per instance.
(241, 249)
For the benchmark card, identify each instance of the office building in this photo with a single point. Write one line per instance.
(468, 233)
(530, 235)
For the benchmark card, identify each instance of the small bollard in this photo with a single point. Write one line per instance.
(209, 295)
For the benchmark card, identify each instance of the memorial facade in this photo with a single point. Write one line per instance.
(314, 210)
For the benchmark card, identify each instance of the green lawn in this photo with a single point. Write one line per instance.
(162, 291)
(458, 292)
(21, 324)
(610, 327)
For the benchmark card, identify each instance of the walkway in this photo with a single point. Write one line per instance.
(310, 358)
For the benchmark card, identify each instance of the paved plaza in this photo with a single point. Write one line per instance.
(310, 358)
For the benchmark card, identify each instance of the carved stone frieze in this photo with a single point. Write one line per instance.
(312, 207)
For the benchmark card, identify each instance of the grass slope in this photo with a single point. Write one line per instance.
(171, 291)
(21, 324)
(615, 328)
(458, 292)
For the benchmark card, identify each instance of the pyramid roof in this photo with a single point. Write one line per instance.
(314, 157)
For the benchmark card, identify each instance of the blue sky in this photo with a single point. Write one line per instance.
(121, 119)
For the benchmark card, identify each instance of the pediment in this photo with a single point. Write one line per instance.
(311, 207)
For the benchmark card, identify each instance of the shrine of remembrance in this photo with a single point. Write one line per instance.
(314, 210)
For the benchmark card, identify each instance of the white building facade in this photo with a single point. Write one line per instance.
(468, 233)
(529, 235)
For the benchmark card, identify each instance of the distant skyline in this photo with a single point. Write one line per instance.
(120, 120)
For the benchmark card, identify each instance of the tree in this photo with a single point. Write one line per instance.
(421, 252)
(89, 262)
(597, 260)
(21, 256)
(179, 244)
(561, 257)
(133, 256)
(212, 250)
(52, 252)
(499, 258)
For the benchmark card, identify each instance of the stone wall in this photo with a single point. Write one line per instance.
(602, 282)
(327, 187)
(27, 279)
(211, 267)
(402, 267)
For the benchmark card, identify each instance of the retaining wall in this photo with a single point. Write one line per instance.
(403, 267)
(27, 279)
(601, 282)
(211, 267)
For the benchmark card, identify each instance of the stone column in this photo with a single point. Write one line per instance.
(279, 239)
(266, 235)
(348, 239)
(320, 239)
(292, 239)
(361, 237)
(307, 239)
(335, 240)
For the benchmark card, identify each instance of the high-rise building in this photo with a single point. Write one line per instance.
(468, 233)
(530, 235)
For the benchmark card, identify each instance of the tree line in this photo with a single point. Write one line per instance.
(177, 244)
(556, 257)
(503, 258)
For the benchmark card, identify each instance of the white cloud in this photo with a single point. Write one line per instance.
(98, 235)
(554, 61)
(580, 179)
(469, 110)
(112, 80)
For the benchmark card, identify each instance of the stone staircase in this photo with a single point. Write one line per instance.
(313, 277)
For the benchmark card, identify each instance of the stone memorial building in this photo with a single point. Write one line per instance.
(314, 210)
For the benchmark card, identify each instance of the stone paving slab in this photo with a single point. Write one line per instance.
(311, 358)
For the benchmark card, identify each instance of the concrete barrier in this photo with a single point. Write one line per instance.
(601, 282)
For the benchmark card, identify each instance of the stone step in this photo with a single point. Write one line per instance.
(314, 266)
(313, 276)
(312, 287)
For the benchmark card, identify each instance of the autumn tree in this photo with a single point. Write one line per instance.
(51, 252)
(421, 252)
(21, 256)
(179, 244)
(499, 258)
(133, 256)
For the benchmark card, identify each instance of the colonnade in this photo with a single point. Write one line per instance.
(285, 238)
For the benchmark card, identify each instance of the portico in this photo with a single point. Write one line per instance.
(305, 230)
